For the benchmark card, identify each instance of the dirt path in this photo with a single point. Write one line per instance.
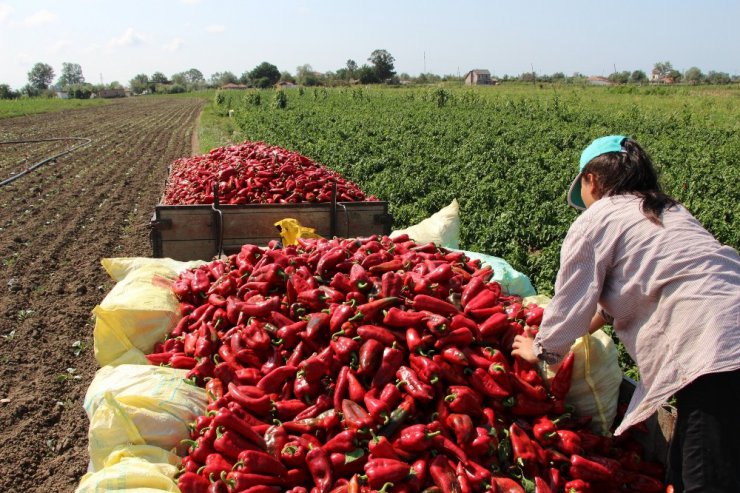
(55, 226)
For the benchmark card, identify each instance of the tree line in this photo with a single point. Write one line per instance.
(379, 69)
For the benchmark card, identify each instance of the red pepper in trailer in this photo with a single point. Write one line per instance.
(406, 390)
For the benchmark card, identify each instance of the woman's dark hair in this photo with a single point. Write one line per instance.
(630, 172)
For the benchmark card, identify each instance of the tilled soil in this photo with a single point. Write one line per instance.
(56, 224)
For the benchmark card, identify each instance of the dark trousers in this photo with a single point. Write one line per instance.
(704, 454)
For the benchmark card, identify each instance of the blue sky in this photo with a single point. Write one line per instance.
(117, 40)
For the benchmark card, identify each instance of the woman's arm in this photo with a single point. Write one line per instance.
(596, 323)
(523, 345)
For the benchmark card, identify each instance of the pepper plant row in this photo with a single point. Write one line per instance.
(255, 173)
(376, 364)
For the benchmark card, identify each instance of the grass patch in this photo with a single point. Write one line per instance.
(22, 107)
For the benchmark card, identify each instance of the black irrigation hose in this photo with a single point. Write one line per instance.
(84, 142)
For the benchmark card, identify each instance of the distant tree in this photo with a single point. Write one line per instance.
(159, 78)
(306, 76)
(693, 76)
(71, 74)
(220, 78)
(367, 75)
(638, 77)
(342, 74)
(404, 76)
(140, 83)
(528, 77)
(351, 68)
(619, 77)
(718, 77)
(558, 77)
(6, 92)
(80, 91)
(382, 63)
(115, 85)
(264, 75)
(40, 76)
(662, 69)
(194, 77)
(286, 76)
(179, 78)
(674, 75)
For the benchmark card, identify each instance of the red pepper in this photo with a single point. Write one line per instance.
(391, 284)
(274, 380)
(560, 383)
(544, 430)
(537, 393)
(257, 462)
(443, 475)
(293, 454)
(382, 471)
(396, 317)
(225, 418)
(505, 484)
(340, 315)
(523, 406)
(191, 482)
(461, 337)
(369, 310)
(392, 360)
(320, 467)
(641, 483)
(462, 427)
(464, 400)
(483, 382)
(355, 417)
(378, 333)
(216, 464)
(241, 481)
(486, 298)
(434, 305)
(258, 406)
(381, 448)
(415, 438)
(577, 486)
(472, 288)
(455, 356)
(427, 370)
(344, 348)
(287, 409)
(524, 452)
(591, 470)
(377, 408)
(494, 326)
(413, 385)
(568, 442)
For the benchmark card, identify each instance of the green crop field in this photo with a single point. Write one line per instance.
(507, 153)
(29, 106)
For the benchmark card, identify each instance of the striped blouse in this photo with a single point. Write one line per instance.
(672, 293)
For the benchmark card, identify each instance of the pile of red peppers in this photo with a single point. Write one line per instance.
(377, 364)
(255, 173)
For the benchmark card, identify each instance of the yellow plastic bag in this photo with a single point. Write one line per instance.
(594, 390)
(131, 475)
(139, 405)
(149, 453)
(291, 229)
(139, 311)
(441, 228)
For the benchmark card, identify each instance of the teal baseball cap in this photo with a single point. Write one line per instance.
(602, 145)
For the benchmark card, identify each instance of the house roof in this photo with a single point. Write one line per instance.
(480, 72)
(231, 85)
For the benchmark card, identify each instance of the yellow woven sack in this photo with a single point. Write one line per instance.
(131, 475)
(594, 390)
(291, 230)
(138, 312)
(139, 405)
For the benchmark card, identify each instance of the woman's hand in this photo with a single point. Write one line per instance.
(523, 346)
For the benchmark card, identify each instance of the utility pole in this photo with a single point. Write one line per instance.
(425, 62)
(534, 77)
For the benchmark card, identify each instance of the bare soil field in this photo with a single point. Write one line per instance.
(56, 223)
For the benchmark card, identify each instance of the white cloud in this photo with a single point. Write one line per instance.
(5, 11)
(191, 2)
(39, 18)
(128, 38)
(174, 45)
(215, 28)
